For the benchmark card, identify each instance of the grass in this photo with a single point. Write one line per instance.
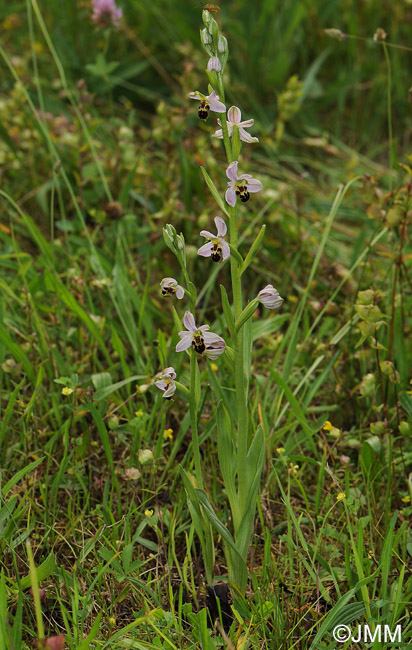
(91, 172)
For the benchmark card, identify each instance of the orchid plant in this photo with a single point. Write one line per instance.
(241, 444)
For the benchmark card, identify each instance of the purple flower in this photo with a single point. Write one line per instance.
(202, 341)
(240, 186)
(165, 382)
(269, 297)
(169, 287)
(234, 122)
(217, 247)
(208, 103)
(106, 14)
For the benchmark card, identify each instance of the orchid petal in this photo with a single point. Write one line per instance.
(189, 321)
(221, 226)
(231, 171)
(185, 342)
(215, 104)
(218, 134)
(234, 115)
(230, 196)
(254, 185)
(196, 95)
(225, 250)
(204, 328)
(205, 250)
(210, 338)
(246, 123)
(206, 233)
(161, 383)
(170, 391)
(180, 292)
(246, 137)
(169, 372)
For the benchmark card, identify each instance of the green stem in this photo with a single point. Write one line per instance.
(193, 406)
(389, 104)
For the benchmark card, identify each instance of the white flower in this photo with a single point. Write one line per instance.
(217, 247)
(269, 297)
(240, 186)
(165, 382)
(234, 122)
(214, 64)
(202, 341)
(169, 286)
(208, 103)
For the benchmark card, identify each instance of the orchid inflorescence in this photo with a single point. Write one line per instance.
(234, 428)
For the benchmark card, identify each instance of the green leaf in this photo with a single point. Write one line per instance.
(19, 475)
(17, 353)
(253, 249)
(227, 311)
(297, 411)
(44, 571)
(235, 253)
(214, 192)
(247, 313)
(227, 456)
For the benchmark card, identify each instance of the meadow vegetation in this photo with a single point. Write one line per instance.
(121, 504)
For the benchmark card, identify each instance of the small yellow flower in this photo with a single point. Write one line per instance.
(112, 621)
(168, 433)
(38, 47)
(280, 450)
(333, 431)
(214, 367)
(406, 499)
(149, 512)
(67, 391)
(291, 298)
(341, 496)
(139, 413)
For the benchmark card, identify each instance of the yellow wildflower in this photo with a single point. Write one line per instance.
(149, 512)
(341, 496)
(168, 433)
(67, 391)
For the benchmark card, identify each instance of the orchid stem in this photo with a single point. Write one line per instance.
(193, 408)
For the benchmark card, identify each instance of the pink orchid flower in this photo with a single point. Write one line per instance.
(234, 117)
(208, 103)
(200, 339)
(217, 247)
(240, 186)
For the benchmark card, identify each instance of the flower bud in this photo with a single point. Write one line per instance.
(205, 37)
(404, 428)
(222, 44)
(214, 64)
(377, 428)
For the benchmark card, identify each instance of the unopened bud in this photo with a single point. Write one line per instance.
(214, 64)
(205, 37)
(222, 44)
